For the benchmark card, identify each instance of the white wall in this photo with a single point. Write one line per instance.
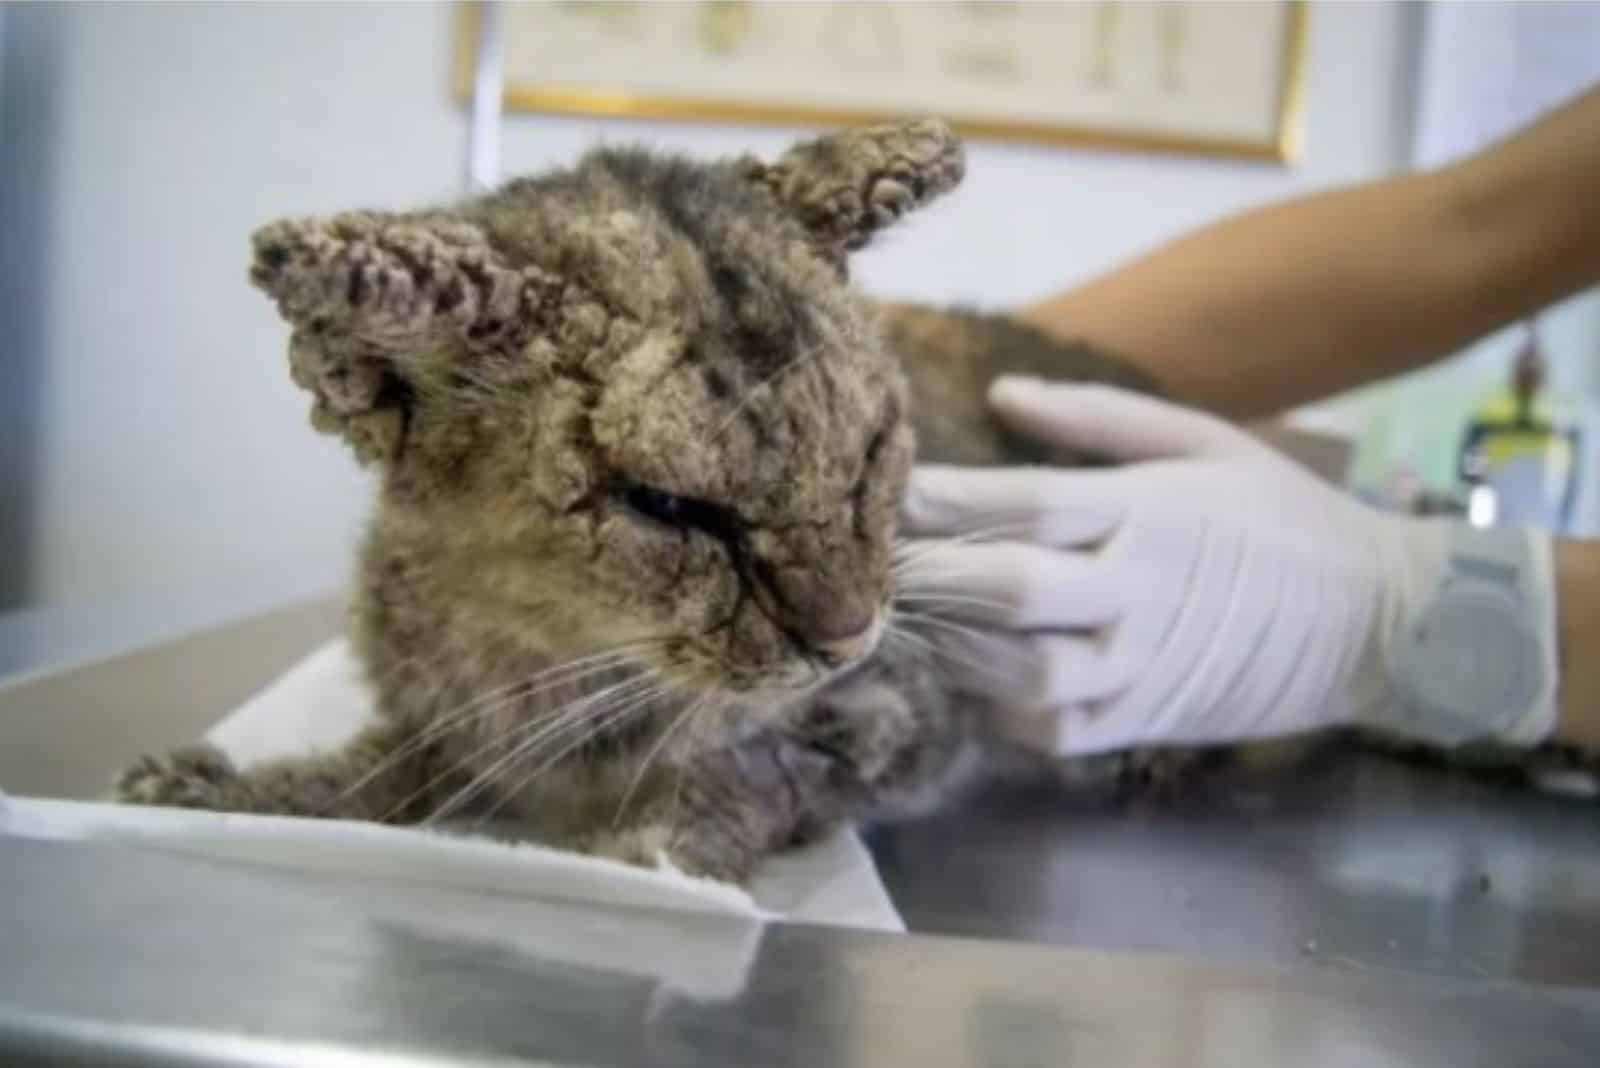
(170, 478)
(1031, 219)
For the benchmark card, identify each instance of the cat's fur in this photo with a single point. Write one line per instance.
(635, 409)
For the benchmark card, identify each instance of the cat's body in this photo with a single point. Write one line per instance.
(631, 577)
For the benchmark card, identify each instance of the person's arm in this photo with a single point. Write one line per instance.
(1577, 567)
(1291, 303)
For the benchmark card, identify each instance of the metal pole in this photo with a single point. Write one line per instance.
(483, 145)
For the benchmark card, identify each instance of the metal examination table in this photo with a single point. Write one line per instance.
(1351, 862)
(1364, 913)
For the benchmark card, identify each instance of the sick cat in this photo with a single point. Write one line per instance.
(641, 447)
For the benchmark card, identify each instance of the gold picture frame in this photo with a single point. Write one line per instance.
(1281, 141)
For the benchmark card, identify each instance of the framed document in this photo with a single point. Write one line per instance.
(1209, 77)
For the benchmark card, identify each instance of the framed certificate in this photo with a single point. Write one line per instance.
(1209, 77)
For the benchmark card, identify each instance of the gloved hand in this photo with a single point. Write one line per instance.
(1208, 590)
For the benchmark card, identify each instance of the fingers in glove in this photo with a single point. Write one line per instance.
(1168, 663)
(1112, 423)
(1016, 586)
(1039, 687)
(1022, 672)
(1061, 507)
(971, 659)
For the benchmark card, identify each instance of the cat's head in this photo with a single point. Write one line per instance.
(635, 400)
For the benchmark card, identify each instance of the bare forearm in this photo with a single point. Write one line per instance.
(1278, 306)
(1291, 303)
(1577, 566)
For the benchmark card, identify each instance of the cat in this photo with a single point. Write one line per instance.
(632, 581)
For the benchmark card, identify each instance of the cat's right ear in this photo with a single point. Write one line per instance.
(377, 303)
(844, 187)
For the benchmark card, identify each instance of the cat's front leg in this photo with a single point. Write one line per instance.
(729, 810)
(870, 747)
(378, 775)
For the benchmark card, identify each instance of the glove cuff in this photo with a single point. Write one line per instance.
(1471, 656)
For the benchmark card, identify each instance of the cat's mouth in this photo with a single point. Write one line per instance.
(822, 661)
(842, 654)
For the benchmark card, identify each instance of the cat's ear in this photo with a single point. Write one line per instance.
(377, 303)
(846, 186)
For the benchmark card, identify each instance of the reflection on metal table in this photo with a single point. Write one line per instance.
(1350, 861)
(1341, 919)
(117, 956)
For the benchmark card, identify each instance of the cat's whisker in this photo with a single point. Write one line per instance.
(935, 649)
(928, 619)
(893, 640)
(929, 574)
(695, 728)
(590, 727)
(483, 385)
(905, 552)
(689, 712)
(595, 674)
(916, 647)
(677, 792)
(934, 579)
(537, 727)
(613, 718)
(426, 666)
(934, 600)
(1020, 525)
(487, 380)
(766, 383)
(571, 672)
(582, 718)
(1023, 523)
(566, 673)
(921, 645)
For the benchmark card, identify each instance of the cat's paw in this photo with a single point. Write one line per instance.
(195, 777)
(1169, 774)
(1152, 774)
(662, 848)
(867, 724)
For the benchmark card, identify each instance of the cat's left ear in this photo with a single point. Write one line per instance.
(846, 186)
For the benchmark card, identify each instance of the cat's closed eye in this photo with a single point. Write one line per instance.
(683, 512)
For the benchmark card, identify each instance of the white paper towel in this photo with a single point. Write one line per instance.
(322, 701)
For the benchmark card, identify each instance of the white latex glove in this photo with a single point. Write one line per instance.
(1210, 590)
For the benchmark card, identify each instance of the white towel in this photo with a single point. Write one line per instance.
(322, 701)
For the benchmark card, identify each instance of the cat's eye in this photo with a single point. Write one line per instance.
(682, 512)
(875, 448)
(655, 504)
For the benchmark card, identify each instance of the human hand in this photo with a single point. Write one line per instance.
(1209, 590)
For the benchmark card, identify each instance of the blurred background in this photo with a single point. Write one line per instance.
(157, 471)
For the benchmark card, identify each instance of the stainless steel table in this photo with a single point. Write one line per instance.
(117, 957)
(1354, 862)
(1340, 918)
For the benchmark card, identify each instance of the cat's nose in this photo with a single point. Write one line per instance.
(848, 639)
